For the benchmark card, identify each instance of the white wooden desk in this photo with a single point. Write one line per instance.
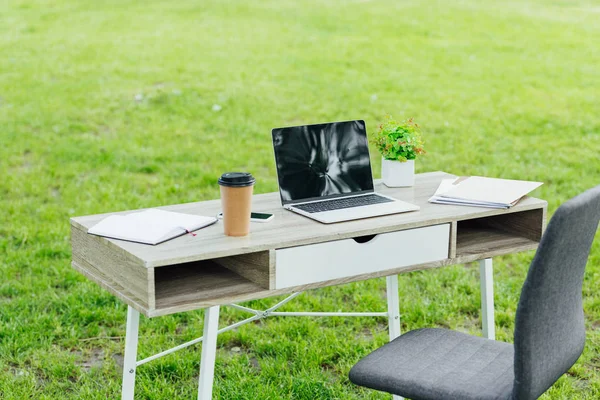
(292, 254)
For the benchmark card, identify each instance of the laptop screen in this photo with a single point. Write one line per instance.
(324, 160)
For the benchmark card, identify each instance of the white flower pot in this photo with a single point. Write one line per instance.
(398, 174)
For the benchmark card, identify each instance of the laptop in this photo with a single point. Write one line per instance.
(324, 173)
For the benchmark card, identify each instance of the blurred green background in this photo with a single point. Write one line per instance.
(116, 105)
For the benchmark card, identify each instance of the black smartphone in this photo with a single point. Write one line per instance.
(260, 217)
(255, 217)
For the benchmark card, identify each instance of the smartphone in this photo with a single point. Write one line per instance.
(255, 217)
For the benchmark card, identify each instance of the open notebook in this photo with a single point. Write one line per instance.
(480, 191)
(151, 226)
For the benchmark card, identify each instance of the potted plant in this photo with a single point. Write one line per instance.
(399, 144)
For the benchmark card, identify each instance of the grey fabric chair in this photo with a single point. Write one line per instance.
(549, 329)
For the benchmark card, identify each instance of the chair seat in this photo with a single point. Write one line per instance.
(439, 364)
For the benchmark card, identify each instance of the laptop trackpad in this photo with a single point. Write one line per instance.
(374, 210)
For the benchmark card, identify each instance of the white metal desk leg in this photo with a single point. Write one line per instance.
(209, 352)
(130, 358)
(393, 304)
(486, 273)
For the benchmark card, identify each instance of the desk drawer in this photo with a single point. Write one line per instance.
(319, 262)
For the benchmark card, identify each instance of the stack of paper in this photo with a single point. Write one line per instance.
(479, 191)
(152, 226)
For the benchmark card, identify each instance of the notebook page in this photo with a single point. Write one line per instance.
(128, 228)
(150, 226)
(187, 222)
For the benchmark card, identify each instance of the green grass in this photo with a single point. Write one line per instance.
(108, 106)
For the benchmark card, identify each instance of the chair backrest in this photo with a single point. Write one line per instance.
(549, 324)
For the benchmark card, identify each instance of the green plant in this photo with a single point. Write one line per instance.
(399, 141)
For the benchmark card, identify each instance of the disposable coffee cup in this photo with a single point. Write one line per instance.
(236, 200)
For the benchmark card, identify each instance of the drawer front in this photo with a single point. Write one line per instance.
(320, 262)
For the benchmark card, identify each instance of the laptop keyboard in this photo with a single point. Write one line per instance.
(346, 202)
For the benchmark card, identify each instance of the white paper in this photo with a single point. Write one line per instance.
(441, 200)
(490, 190)
(445, 185)
(482, 192)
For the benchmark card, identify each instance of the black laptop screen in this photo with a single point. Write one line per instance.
(322, 160)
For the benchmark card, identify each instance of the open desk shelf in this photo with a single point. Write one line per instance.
(500, 234)
(197, 282)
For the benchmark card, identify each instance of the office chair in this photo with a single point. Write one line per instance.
(549, 329)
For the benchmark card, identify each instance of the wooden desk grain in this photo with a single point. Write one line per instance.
(288, 229)
(192, 272)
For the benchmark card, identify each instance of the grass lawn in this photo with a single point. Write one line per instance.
(116, 105)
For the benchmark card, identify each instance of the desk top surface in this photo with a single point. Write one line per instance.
(289, 229)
